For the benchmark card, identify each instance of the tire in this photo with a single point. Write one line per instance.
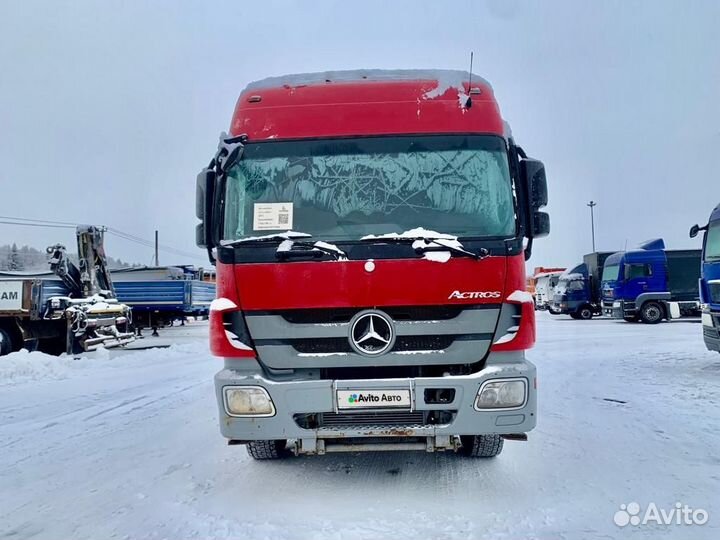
(481, 446)
(6, 342)
(575, 316)
(585, 313)
(264, 450)
(651, 313)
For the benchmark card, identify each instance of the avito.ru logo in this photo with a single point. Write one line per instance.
(680, 514)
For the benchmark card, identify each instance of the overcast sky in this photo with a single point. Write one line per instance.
(109, 109)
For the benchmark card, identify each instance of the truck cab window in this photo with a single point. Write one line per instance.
(712, 242)
(636, 271)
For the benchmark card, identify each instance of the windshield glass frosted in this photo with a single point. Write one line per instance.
(349, 188)
(611, 272)
(712, 243)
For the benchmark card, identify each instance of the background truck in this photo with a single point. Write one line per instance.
(70, 309)
(161, 295)
(578, 291)
(371, 230)
(651, 283)
(545, 281)
(710, 280)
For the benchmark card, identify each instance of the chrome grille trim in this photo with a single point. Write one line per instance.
(469, 321)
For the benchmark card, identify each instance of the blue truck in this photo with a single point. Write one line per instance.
(578, 290)
(161, 295)
(710, 280)
(651, 283)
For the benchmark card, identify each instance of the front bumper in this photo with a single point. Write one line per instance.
(618, 309)
(566, 307)
(295, 398)
(711, 330)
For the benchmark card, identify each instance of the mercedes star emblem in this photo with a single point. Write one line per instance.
(371, 333)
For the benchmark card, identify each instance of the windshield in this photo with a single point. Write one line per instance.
(712, 242)
(611, 272)
(347, 188)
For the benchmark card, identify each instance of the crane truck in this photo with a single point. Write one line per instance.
(70, 309)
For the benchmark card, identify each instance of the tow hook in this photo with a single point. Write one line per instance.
(515, 436)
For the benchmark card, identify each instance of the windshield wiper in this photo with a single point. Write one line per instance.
(279, 237)
(426, 244)
(290, 248)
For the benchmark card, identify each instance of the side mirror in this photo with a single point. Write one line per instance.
(533, 175)
(694, 230)
(540, 224)
(204, 197)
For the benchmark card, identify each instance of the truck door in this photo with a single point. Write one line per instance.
(639, 278)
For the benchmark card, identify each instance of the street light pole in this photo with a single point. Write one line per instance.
(592, 204)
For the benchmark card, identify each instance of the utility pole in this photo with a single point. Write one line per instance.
(592, 204)
(157, 262)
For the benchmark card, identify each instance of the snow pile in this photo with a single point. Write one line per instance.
(418, 233)
(25, 366)
(522, 297)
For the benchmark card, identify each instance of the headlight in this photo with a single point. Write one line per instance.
(707, 320)
(248, 401)
(499, 394)
(616, 304)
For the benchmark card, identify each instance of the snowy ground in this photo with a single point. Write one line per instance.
(125, 445)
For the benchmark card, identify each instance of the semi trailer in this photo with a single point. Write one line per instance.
(710, 280)
(161, 295)
(651, 283)
(370, 231)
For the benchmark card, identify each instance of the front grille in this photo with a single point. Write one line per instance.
(402, 343)
(395, 418)
(710, 332)
(343, 315)
(374, 419)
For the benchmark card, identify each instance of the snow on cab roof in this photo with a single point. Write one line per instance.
(447, 78)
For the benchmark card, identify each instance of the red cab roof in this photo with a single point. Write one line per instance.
(367, 102)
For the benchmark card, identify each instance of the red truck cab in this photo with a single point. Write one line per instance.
(370, 231)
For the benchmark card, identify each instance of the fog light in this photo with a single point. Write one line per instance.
(248, 401)
(501, 394)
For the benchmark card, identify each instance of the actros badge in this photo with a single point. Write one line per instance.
(468, 295)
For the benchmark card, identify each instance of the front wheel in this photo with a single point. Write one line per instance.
(481, 446)
(651, 313)
(6, 342)
(585, 313)
(262, 450)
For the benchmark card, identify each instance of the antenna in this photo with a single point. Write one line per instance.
(468, 103)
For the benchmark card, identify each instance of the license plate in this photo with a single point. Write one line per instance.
(373, 399)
